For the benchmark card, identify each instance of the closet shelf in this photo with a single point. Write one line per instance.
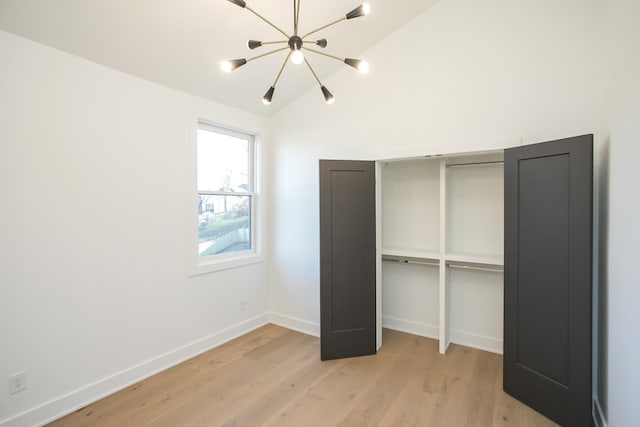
(410, 260)
(475, 259)
(442, 222)
(419, 254)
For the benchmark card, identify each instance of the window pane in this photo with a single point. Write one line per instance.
(223, 162)
(224, 224)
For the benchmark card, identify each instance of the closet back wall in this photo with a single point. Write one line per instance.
(460, 77)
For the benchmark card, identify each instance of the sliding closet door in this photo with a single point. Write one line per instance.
(347, 259)
(547, 323)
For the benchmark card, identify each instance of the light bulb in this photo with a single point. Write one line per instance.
(328, 96)
(361, 10)
(297, 57)
(232, 64)
(358, 64)
(266, 99)
(226, 67)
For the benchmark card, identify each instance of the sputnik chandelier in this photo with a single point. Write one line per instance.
(296, 44)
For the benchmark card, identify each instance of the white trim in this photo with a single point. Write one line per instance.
(444, 290)
(225, 264)
(379, 251)
(481, 342)
(411, 327)
(65, 404)
(295, 324)
(446, 148)
(70, 402)
(598, 414)
(197, 265)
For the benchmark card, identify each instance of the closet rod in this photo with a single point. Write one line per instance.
(457, 165)
(406, 261)
(472, 267)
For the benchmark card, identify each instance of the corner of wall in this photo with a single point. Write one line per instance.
(295, 324)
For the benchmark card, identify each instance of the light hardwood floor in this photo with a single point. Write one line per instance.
(274, 377)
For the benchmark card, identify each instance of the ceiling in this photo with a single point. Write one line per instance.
(180, 44)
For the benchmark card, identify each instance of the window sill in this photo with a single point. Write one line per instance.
(211, 266)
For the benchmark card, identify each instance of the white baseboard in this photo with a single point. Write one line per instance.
(598, 414)
(77, 399)
(476, 341)
(410, 327)
(295, 324)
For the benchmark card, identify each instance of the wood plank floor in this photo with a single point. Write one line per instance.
(274, 377)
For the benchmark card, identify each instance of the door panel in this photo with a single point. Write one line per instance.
(543, 246)
(347, 259)
(547, 342)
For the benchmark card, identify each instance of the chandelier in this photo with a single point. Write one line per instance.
(296, 44)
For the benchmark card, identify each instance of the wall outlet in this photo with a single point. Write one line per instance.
(243, 304)
(17, 382)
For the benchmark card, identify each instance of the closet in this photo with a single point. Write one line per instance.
(468, 249)
(442, 248)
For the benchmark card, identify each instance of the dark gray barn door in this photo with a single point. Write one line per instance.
(547, 323)
(347, 259)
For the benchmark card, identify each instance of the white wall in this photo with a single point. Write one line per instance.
(619, 374)
(463, 75)
(94, 178)
(93, 162)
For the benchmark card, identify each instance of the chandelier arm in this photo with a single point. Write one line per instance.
(324, 54)
(281, 70)
(297, 17)
(267, 21)
(254, 44)
(322, 42)
(268, 53)
(313, 72)
(323, 27)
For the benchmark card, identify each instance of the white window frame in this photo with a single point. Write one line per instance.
(202, 265)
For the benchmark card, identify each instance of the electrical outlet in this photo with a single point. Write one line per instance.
(243, 304)
(17, 382)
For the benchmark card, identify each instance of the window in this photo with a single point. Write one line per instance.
(226, 199)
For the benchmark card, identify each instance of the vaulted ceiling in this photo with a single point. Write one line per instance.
(180, 44)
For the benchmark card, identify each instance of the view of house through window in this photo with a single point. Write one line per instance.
(225, 191)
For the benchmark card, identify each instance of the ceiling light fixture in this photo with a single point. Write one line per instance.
(296, 44)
